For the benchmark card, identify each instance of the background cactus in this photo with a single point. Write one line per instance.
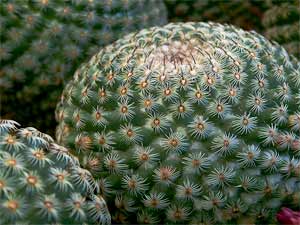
(188, 123)
(277, 19)
(246, 14)
(282, 22)
(40, 182)
(44, 41)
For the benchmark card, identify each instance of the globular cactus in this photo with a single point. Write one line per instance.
(246, 14)
(44, 41)
(281, 23)
(41, 183)
(188, 123)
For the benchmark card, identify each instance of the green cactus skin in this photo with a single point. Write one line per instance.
(189, 123)
(41, 183)
(282, 22)
(44, 41)
(246, 14)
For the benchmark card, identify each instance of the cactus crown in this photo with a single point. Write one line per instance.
(40, 182)
(190, 122)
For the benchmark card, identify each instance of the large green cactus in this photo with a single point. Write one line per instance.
(44, 41)
(41, 183)
(282, 24)
(188, 123)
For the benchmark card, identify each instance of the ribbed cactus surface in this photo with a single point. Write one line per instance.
(44, 41)
(282, 24)
(188, 123)
(41, 183)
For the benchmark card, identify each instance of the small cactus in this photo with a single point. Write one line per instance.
(44, 41)
(188, 123)
(41, 183)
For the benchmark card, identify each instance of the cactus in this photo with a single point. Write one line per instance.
(246, 14)
(41, 183)
(44, 41)
(188, 123)
(282, 22)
